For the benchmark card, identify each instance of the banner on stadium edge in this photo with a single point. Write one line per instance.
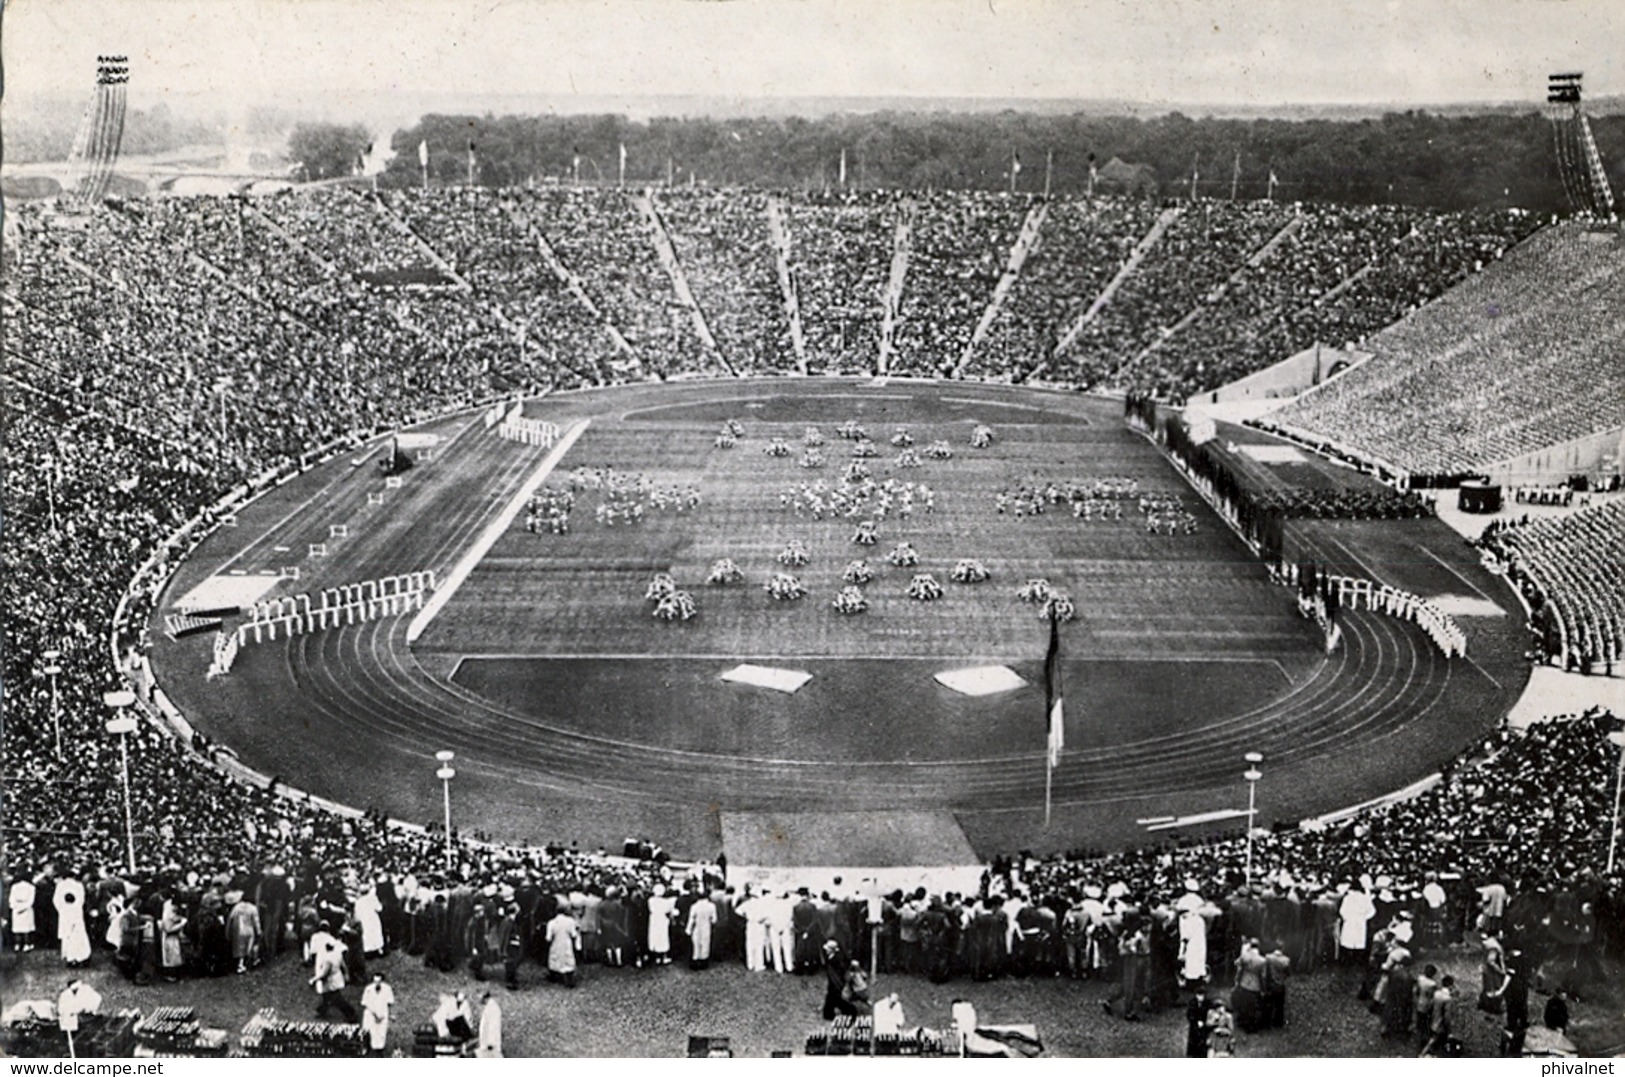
(416, 441)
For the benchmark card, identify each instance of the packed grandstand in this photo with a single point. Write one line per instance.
(162, 353)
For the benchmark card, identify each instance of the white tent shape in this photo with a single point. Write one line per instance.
(981, 680)
(780, 680)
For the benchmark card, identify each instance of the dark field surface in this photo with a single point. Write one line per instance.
(577, 715)
(1114, 702)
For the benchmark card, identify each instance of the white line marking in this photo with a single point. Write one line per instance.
(737, 656)
(493, 531)
(1205, 817)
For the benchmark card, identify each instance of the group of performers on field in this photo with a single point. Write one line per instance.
(626, 498)
(1102, 499)
(866, 498)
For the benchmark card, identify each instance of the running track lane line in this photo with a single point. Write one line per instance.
(493, 531)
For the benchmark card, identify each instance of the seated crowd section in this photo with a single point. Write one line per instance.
(166, 352)
(1568, 569)
(1510, 362)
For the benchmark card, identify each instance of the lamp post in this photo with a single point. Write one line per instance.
(122, 725)
(1252, 774)
(446, 774)
(1618, 741)
(53, 669)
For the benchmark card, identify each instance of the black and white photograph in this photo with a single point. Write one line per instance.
(811, 528)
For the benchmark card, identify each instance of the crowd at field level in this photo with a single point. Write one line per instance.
(121, 428)
(1503, 853)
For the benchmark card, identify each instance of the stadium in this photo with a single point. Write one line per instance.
(1055, 569)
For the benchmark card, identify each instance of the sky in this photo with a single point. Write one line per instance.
(1235, 52)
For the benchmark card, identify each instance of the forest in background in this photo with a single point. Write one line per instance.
(1414, 158)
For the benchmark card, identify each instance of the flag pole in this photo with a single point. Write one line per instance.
(1053, 710)
(1049, 167)
(1049, 781)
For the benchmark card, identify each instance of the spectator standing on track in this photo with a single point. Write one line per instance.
(376, 999)
(1441, 1019)
(490, 1042)
(702, 920)
(329, 981)
(563, 938)
(1277, 971)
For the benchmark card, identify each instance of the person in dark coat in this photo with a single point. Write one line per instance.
(1196, 1026)
(1516, 1027)
(987, 933)
(614, 924)
(273, 896)
(1277, 972)
(836, 967)
(936, 943)
(441, 951)
(808, 940)
(1399, 998)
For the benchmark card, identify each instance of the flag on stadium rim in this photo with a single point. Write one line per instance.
(423, 153)
(1055, 711)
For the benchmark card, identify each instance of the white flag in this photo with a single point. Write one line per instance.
(423, 153)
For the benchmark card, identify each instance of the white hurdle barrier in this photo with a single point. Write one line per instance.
(335, 607)
(529, 431)
(338, 530)
(392, 482)
(375, 499)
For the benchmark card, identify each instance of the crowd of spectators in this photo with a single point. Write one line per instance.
(840, 256)
(1079, 249)
(569, 286)
(158, 365)
(724, 245)
(959, 247)
(1568, 570)
(1514, 360)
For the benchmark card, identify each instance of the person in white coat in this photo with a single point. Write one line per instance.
(368, 912)
(490, 1042)
(376, 1001)
(69, 899)
(702, 919)
(1354, 914)
(661, 910)
(753, 910)
(1192, 947)
(781, 943)
(20, 904)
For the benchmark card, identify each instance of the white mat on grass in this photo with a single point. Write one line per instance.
(780, 680)
(1463, 606)
(981, 680)
(227, 592)
(1274, 454)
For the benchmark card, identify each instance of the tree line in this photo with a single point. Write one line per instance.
(1413, 158)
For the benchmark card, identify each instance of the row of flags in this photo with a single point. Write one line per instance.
(1015, 168)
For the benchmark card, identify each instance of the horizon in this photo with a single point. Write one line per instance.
(1274, 56)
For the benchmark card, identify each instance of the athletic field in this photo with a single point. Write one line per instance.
(576, 714)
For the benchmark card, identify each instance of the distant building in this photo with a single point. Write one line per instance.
(1119, 177)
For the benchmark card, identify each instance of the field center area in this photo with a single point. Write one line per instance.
(576, 713)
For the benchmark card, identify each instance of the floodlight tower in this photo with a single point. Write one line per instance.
(101, 131)
(1585, 181)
